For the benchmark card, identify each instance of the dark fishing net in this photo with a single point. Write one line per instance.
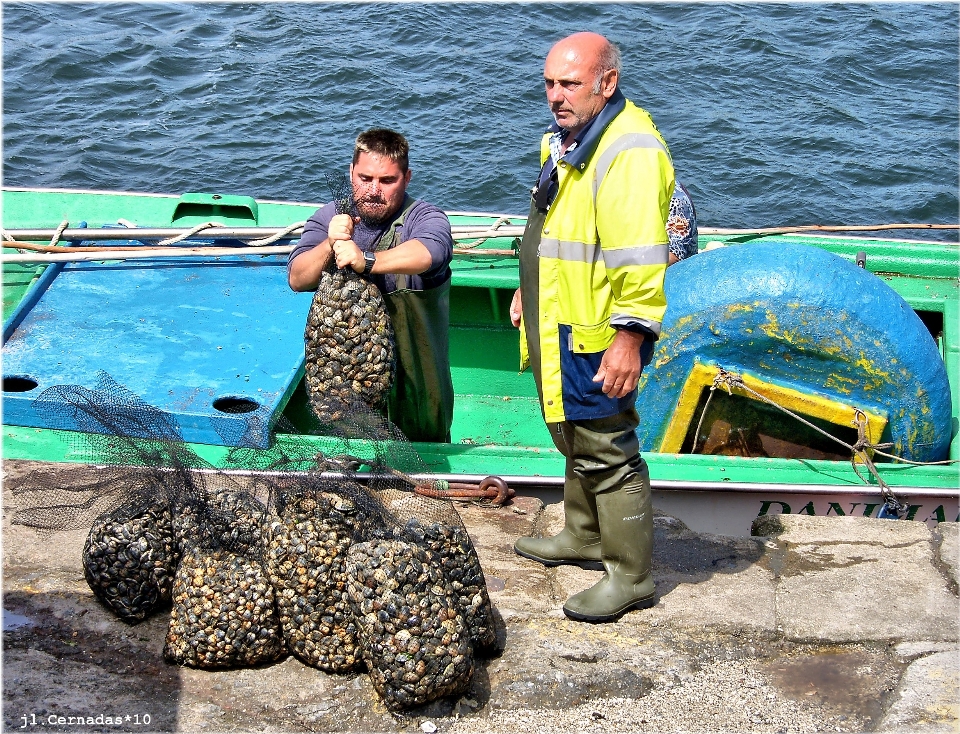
(274, 549)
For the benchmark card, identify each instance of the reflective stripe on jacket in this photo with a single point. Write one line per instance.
(603, 254)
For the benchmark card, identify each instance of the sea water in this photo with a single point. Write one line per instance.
(776, 114)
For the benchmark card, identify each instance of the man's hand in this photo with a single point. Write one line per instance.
(348, 254)
(341, 228)
(516, 308)
(620, 367)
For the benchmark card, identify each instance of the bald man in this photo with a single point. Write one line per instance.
(589, 308)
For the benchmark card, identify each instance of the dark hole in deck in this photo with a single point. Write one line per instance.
(235, 405)
(16, 383)
(740, 426)
(933, 320)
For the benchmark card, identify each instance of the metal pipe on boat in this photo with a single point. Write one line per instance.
(119, 254)
(463, 231)
(213, 233)
(662, 485)
(107, 253)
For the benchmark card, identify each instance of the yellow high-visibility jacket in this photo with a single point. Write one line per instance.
(603, 254)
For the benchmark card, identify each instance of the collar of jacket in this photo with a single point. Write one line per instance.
(589, 137)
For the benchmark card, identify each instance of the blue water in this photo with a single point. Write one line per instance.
(775, 114)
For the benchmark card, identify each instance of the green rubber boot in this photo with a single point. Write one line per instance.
(578, 544)
(626, 547)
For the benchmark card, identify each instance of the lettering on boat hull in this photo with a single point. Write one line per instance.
(732, 512)
(927, 511)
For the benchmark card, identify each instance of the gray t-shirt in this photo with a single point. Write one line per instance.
(425, 222)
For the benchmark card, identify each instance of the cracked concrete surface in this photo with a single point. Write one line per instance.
(840, 624)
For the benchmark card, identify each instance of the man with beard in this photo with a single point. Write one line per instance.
(404, 246)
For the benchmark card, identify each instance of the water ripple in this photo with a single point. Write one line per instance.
(775, 114)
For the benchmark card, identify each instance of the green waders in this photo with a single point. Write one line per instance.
(606, 491)
(420, 402)
(578, 544)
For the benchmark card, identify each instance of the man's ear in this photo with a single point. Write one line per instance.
(611, 77)
(407, 176)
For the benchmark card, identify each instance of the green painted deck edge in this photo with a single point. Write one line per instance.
(37, 444)
(924, 273)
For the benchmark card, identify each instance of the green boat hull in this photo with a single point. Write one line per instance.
(498, 428)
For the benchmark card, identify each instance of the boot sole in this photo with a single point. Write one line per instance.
(644, 603)
(588, 565)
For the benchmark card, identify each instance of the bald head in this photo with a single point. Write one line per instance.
(592, 49)
(581, 73)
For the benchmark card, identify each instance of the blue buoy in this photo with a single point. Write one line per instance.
(807, 329)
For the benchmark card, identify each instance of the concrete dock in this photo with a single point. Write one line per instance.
(837, 624)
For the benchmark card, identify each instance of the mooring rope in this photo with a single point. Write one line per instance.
(476, 243)
(858, 451)
(190, 233)
(277, 236)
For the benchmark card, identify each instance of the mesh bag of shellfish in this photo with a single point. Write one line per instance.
(413, 633)
(348, 338)
(348, 343)
(223, 612)
(123, 496)
(456, 558)
(129, 559)
(306, 550)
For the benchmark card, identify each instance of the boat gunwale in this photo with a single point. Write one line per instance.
(704, 231)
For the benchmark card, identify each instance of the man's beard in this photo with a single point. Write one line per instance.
(373, 218)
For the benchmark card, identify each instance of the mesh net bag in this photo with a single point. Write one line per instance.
(414, 636)
(306, 551)
(129, 559)
(223, 612)
(455, 556)
(277, 549)
(348, 342)
(348, 339)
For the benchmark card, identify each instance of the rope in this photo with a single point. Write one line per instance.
(859, 450)
(185, 235)
(476, 243)
(279, 235)
(59, 231)
(7, 237)
(696, 436)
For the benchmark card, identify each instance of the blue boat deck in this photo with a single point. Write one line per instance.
(228, 331)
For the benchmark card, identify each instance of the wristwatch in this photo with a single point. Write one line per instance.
(369, 258)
